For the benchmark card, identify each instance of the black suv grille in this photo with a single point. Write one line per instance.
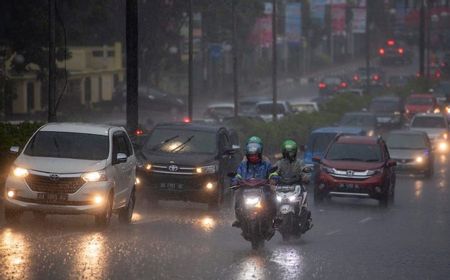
(61, 185)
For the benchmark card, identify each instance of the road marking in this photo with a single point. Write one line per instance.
(332, 232)
(365, 220)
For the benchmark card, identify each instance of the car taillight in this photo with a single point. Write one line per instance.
(138, 132)
(437, 74)
(381, 51)
(400, 50)
(186, 120)
(343, 84)
(322, 85)
(375, 77)
(391, 42)
(356, 77)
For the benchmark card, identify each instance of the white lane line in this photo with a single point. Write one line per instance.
(332, 232)
(365, 220)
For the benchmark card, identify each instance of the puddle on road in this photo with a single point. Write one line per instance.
(14, 253)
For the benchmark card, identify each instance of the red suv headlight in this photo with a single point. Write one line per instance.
(374, 171)
(326, 169)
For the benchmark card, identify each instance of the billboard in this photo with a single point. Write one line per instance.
(338, 18)
(293, 23)
(359, 20)
(318, 11)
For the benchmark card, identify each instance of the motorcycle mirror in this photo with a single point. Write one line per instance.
(307, 169)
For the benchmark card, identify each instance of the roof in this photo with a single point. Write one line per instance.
(421, 95)
(215, 105)
(190, 126)
(270, 102)
(434, 115)
(87, 128)
(339, 129)
(357, 139)
(407, 132)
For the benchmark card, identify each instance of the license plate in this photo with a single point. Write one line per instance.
(171, 186)
(348, 186)
(52, 196)
(284, 209)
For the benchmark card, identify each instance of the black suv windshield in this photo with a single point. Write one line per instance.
(168, 140)
(420, 101)
(406, 141)
(354, 152)
(68, 145)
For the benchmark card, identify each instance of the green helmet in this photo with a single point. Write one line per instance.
(257, 140)
(289, 150)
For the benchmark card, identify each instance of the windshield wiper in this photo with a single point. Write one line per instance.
(159, 145)
(349, 159)
(182, 145)
(372, 160)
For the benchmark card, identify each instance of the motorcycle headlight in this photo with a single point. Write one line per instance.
(253, 201)
(95, 176)
(20, 172)
(370, 133)
(419, 159)
(209, 169)
(444, 135)
(292, 198)
(279, 198)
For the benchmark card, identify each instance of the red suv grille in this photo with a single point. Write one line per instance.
(60, 185)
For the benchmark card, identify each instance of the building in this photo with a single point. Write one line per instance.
(93, 73)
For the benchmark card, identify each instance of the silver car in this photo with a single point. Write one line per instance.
(68, 168)
(411, 150)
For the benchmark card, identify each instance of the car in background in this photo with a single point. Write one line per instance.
(351, 91)
(247, 105)
(411, 150)
(219, 111)
(377, 77)
(189, 162)
(435, 126)
(320, 138)
(305, 107)
(264, 109)
(388, 111)
(393, 53)
(420, 103)
(329, 85)
(364, 120)
(73, 168)
(398, 81)
(356, 166)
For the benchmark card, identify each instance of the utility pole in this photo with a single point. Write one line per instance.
(191, 62)
(274, 60)
(368, 22)
(51, 61)
(422, 39)
(235, 60)
(132, 64)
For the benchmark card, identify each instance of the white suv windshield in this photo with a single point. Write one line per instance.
(68, 145)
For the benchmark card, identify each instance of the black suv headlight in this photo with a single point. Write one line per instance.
(207, 169)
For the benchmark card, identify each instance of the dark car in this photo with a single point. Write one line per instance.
(377, 78)
(388, 111)
(329, 85)
(393, 52)
(247, 105)
(411, 150)
(184, 161)
(357, 166)
(364, 120)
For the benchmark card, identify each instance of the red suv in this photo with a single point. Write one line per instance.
(357, 166)
(420, 103)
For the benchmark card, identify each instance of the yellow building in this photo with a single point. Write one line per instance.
(93, 73)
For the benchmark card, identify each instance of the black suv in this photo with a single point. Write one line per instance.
(190, 162)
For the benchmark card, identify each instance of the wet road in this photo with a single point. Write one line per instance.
(351, 239)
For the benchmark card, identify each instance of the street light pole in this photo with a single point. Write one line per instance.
(235, 60)
(191, 63)
(132, 64)
(422, 39)
(274, 60)
(51, 61)
(368, 22)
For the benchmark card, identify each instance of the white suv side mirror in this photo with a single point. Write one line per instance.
(121, 158)
(14, 149)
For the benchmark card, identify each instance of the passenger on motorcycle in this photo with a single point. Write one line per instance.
(253, 168)
(290, 169)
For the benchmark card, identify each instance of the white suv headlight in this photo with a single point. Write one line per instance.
(94, 176)
(20, 172)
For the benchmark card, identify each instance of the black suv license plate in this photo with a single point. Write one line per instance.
(171, 186)
(52, 196)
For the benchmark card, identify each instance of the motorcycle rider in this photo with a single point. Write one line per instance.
(253, 167)
(290, 168)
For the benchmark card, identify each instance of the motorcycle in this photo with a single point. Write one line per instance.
(292, 208)
(255, 219)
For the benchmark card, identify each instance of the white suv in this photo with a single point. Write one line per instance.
(70, 168)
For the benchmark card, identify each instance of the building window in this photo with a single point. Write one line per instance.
(110, 53)
(87, 90)
(30, 97)
(97, 53)
(100, 88)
